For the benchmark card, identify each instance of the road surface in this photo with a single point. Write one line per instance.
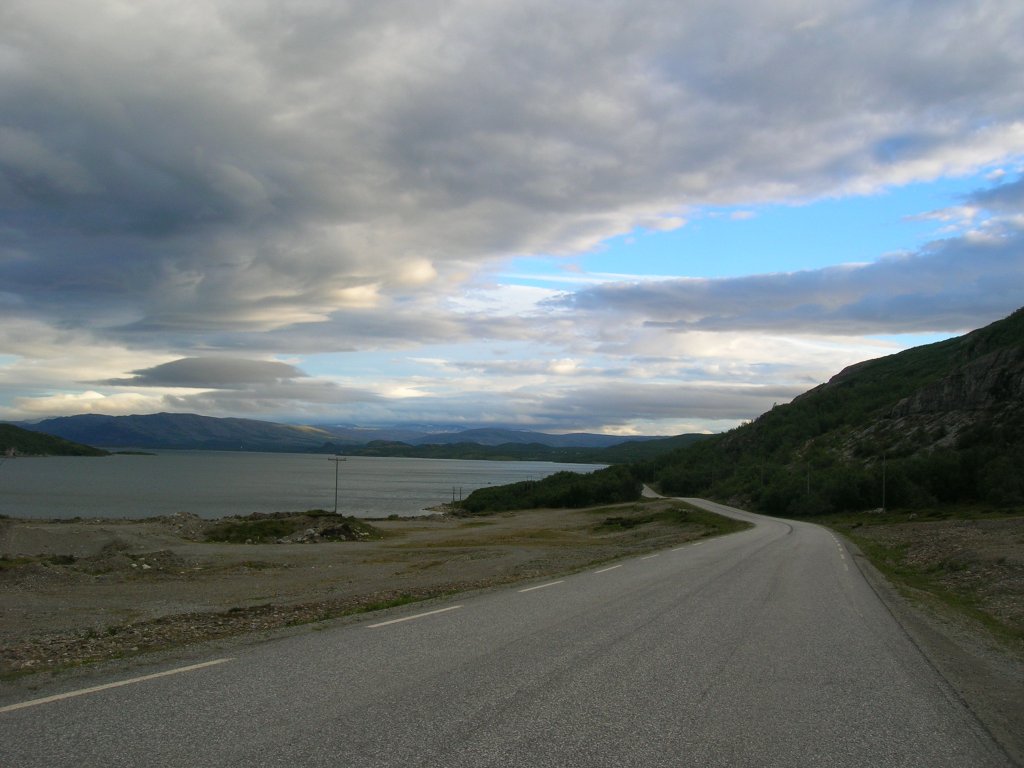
(762, 648)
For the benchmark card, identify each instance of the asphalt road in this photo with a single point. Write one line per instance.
(763, 648)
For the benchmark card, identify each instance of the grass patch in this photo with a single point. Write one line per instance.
(393, 602)
(624, 523)
(682, 513)
(676, 513)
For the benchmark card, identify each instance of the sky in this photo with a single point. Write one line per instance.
(642, 217)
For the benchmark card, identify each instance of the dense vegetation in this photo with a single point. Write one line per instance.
(562, 489)
(983, 465)
(22, 442)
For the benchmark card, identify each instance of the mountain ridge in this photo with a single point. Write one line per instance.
(193, 431)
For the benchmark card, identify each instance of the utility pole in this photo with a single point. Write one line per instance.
(337, 460)
(883, 483)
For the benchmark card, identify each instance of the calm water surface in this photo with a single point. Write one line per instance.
(217, 483)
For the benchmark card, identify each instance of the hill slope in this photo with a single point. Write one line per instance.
(22, 442)
(942, 423)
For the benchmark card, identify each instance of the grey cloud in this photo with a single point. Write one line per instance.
(211, 373)
(281, 401)
(235, 166)
(1005, 198)
(626, 404)
(952, 285)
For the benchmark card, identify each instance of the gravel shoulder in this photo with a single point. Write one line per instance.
(983, 562)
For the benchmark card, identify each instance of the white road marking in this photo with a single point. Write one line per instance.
(118, 684)
(648, 557)
(611, 568)
(410, 618)
(541, 586)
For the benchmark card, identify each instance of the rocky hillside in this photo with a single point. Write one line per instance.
(942, 423)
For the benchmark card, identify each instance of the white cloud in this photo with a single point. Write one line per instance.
(72, 404)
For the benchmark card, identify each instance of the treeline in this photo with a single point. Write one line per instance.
(984, 465)
(561, 490)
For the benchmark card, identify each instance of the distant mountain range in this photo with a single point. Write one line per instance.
(191, 431)
(479, 436)
(182, 430)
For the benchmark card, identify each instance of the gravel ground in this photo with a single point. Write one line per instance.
(90, 590)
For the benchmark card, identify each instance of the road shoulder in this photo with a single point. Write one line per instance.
(986, 677)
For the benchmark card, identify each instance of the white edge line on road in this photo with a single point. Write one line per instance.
(410, 618)
(648, 557)
(118, 684)
(541, 586)
(611, 568)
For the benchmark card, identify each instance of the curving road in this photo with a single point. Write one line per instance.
(763, 648)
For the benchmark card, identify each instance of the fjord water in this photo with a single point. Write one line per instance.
(217, 483)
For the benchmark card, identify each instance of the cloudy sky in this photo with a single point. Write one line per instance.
(634, 217)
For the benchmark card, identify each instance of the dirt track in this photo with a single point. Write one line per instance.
(90, 590)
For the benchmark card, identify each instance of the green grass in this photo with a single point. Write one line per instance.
(673, 513)
(391, 603)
